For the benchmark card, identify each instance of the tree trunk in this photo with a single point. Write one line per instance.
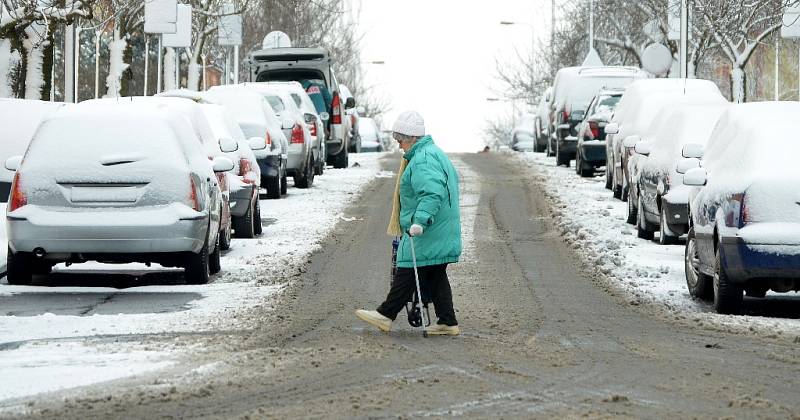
(34, 59)
(48, 59)
(738, 85)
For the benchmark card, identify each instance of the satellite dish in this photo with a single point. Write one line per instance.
(657, 59)
(276, 39)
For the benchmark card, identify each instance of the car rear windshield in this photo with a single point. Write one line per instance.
(607, 103)
(586, 88)
(293, 75)
(67, 140)
(276, 103)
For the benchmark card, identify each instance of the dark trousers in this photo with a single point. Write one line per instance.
(432, 278)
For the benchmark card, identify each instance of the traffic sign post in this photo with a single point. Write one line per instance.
(160, 17)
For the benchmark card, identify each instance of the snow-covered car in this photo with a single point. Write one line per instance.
(312, 67)
(134, 188)
(212, 145)
(591, 149)
(642, 102)
(370, 135)
(573, 90)
(744, 231)
(657, 183)
(19, 118)
(312, 118)
(543, 120)
(300, 154)
(245, 178)
(523, 136)
(352, 115)
(257, 120)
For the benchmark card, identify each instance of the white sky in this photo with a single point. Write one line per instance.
(440, 59)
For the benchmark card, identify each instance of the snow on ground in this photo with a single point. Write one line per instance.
(593, 221)
(46, 331)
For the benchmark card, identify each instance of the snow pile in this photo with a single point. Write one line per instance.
(117, 66)
(647, 273)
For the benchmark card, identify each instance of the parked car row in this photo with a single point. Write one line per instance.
(169, 179)
(692, 165)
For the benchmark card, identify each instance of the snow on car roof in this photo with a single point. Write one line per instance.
(576, 86)
(642, 95)
(244, 103)
(680, 124)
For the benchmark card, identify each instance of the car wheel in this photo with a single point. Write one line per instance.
(243, 225)
(728, 296)
(665, 235)
(18, 268)
(257, 228)
(578, 163)
(584, 170)
(608, 176)
(617, 189)
(307, 178)
(632, 216)
(273, 186)
(196, 269)
(700, 285)
(214, 265)
(225, 237)
(641, 224)
(284, 183)
(340, 161)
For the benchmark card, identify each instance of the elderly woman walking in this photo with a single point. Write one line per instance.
(426, 207)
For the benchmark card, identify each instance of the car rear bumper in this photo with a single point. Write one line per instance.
(241, 199)
(270, 165)
(677, 215)
(153, 230)
(746, 261)
(594, 152)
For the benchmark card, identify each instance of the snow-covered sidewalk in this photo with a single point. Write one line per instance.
(53, 338)
(590, 219)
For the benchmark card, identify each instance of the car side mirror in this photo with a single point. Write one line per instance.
(310, 118)
(222, 164)
(693, 150)
(696, 177)
(257, 143)
(361, 110)
(228, 145)
(629, 141)
(324, 116)
(686, 164)
(287, 123)
(643, 148)
(350, 103)
(612, 128)
(13, 163)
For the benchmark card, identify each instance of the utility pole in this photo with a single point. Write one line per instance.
(684, 39)
(69, 63)
(777, 68)
(553, 37)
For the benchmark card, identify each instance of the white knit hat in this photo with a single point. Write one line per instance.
(409, 123)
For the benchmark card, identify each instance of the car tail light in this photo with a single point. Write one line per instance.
(565, 116)
(244, 168)
(737, 214)
(353, 121)
(297, 134)
(594, 127)
(312, 128)
(18, 198)
(268, 139)
(336, 104)
(194, 203)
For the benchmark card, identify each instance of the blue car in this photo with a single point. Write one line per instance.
(744, 207)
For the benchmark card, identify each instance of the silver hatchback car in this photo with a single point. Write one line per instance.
(114, 183)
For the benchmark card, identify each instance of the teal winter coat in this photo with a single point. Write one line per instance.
(429, 197)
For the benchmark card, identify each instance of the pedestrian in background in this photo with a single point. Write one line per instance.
(425, 206)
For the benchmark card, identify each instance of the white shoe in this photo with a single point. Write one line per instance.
(375, 318)
(439, 329)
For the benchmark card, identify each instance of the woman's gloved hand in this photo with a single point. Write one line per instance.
(415, 230)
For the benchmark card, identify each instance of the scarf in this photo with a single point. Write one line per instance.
(394, 228)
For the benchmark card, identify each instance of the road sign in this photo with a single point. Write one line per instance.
(160, 16)
(182, 38)
(791, 22)
(230, 31)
